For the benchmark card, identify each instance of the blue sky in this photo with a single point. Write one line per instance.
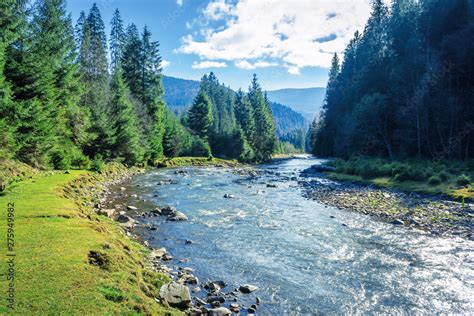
(288, 43)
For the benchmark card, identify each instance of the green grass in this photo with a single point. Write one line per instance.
(54, 237)
(449, 178)
(195, 161)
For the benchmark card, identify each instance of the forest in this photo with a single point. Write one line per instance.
(404, 88)
(64, 104)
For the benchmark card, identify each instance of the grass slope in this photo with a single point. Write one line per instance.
(54, 237)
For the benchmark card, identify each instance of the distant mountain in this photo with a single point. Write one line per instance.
(180, 93)
(287, 120)
(307, 102)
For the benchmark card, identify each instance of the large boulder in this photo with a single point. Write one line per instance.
(178, 216)
(219, 311)
(176, 295)
(168, 210)
(247, 288)
(158, 253)
(107, 212)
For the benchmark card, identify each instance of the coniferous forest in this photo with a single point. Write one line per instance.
(405, 87)
(72, 96)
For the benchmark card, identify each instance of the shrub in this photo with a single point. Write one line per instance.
(60, 159)
(97, 165)
(463, 180)
(434, 180)
(444, 176)
(200, 148)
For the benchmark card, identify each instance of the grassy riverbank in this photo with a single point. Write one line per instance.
(195, 161)
(453, 179)
(68, 259)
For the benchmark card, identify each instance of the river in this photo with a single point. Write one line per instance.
(305, 257)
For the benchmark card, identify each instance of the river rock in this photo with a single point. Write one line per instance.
(158, 253)
(247, 288)
(168, 210)
(176, 295)
(124, 219)
(178, 216)
(212, 299)
(214, 285)
(397, 222)
(219, 311)
(229, 196)
(107, 212)
(132, 208)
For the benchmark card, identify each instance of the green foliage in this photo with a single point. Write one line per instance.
(111, 293)
(392, 98)
(200, 147)
(200, 116)
(127, 135)
(463, 180)
(434, 180)
(97, 164)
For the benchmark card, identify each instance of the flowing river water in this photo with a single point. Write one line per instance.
(305, 257)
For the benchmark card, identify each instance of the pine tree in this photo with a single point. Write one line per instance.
(244, 115)
(10, 19)
(151, 93)
(94, 73)
(127, 145)
(200, 116)
(264, 140)
(117, 39)
(131, 59)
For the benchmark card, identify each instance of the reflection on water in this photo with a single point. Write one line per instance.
(304, 261)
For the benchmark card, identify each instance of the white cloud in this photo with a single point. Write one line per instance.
(165, 63)
(179, 2)
(208, 64)
(244, 64)
(264, 33)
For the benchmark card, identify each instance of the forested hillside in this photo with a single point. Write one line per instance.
(65, 104)
(307, 102)
(405, 86)
(180, 94)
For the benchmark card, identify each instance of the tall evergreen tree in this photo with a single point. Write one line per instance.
(127, 141)
(264, 140)
(117, 39)
(151, 93)
(94, 73)
(131, 59)
(200, 116)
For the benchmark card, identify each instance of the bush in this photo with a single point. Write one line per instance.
(60, 159)
(434, 180)
(463, 180)
(97, 165)
(444, 176)
(200, 148)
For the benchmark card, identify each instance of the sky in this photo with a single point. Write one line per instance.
(287, 43)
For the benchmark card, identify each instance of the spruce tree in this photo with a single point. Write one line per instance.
(94, 73)
(131, 59)
(264, 140)
(127, 145)
(151, 93)
(200, 116)
(117, 39)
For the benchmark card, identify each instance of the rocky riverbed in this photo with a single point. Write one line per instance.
(436, 215)
(276, 240)
(186, 291)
